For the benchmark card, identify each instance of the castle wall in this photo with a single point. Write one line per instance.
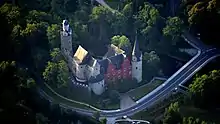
(88, 72)
(66, 44)
(98, 88)
(96, 70)
(80, 73)
(123, 73)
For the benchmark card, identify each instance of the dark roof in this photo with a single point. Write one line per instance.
(96, 79)
(90, 61)
(86, 60)
(117, 60)
(104, 64)
(136, 50)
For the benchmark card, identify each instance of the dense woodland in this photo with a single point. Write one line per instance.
(30, 48)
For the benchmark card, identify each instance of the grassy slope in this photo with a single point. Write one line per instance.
(142, 91)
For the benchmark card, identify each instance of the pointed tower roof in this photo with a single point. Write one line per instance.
(136, 50)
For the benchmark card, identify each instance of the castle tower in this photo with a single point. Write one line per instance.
(136, 62)
(66, 41)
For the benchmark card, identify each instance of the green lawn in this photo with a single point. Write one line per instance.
(73, 97)
(58, 100)
(143, 90)
(109, 106)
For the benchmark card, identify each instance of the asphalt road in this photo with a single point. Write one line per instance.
(181, 76)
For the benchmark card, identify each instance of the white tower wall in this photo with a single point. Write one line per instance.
(98, 88)
(137, 69)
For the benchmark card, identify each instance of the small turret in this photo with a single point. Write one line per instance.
(66, 27)
(136, 61)
(136, 53)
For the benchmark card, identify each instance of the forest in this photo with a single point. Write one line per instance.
(30, 42)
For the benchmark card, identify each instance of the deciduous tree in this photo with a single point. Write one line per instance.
(122, 42)
(205, 90)
(172, 115)
(151, 64)
(53, 34)
(173, 28)
(191, 120)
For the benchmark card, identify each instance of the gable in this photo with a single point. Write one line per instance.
(112, 51)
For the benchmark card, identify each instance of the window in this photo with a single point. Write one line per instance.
(119, 71)
(136, 67)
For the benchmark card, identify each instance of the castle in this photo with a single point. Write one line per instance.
(115, 64)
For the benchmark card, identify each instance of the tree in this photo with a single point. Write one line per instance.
(104, 121)
(205, 90)
(173, 28)
(122, 42)
(100, 18)
(63, 74)
(172, 115)
(96, 115)
(56, 55)
(204, 18)
(63, 7)
(11, 13)
(151, 64)
(35, 16)
(191, 120)
(147, 22)
(57, 73)
(43, 5)
(118, 23)
(50, 72)
(53, 34)
(127, 10)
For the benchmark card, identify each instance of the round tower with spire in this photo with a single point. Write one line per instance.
(136, 61)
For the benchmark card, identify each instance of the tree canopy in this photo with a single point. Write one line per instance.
(172, 115)
(205, 90)
(204, 17)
